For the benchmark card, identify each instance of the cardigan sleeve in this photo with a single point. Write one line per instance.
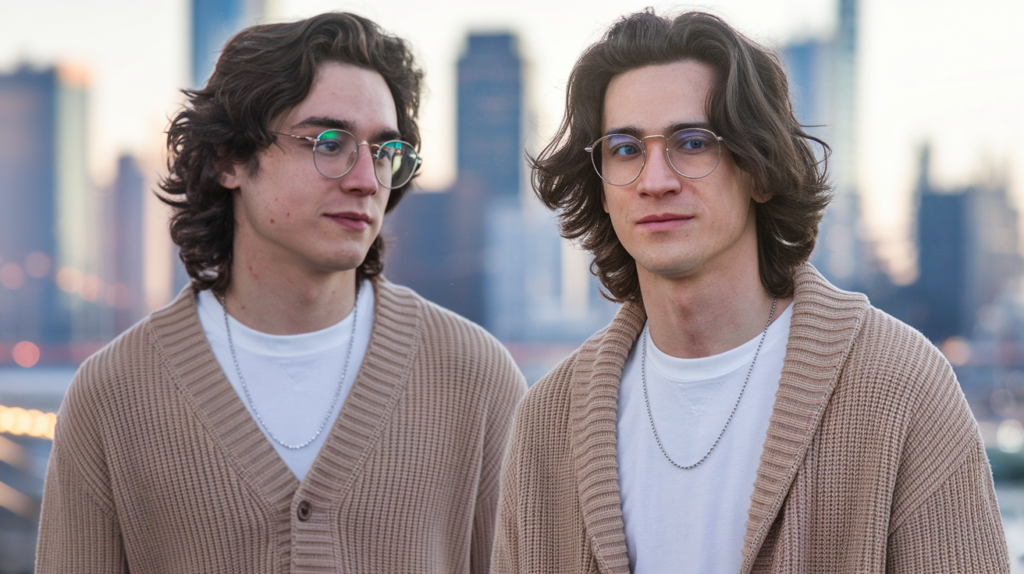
(78, 527)
(499, 422)
(506, 538)
(956, 529)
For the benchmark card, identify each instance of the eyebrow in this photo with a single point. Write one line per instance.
(638, 133)
(329, 123)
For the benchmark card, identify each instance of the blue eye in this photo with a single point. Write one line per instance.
(623, 147)
(690, 142)
(626, 149)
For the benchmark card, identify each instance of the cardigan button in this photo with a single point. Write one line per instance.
(304, 511)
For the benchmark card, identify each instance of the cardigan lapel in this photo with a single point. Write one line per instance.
(196, 372)
(593, 412)
(824, 324)
(367, 410)
(375, 391)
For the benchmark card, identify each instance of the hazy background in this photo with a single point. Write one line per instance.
(920, 100)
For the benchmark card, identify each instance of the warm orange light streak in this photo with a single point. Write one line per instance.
(33, 423)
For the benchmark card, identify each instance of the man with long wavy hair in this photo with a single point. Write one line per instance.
(739, 414)
(290, 410)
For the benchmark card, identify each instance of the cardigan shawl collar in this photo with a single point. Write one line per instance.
(825, 322)
(374, 393)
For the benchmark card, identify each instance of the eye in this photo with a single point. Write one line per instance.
(623, 147)
(328, 146)
(691, 142)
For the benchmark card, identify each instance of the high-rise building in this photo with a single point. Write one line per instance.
(48, 211)
(486, 248)
(454, 247)
(822, 75)
(968, 257)
(490, 114)
(125, 238)
(213, 24)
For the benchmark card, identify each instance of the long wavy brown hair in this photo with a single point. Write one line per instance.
(263, 72)
(748, 106)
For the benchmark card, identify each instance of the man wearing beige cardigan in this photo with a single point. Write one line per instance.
(739, 414)
(291, 410)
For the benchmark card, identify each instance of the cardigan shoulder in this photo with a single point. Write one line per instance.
(451, 345)
(904, 378)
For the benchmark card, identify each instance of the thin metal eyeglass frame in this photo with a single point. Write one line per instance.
(643, 149)
(374, 149)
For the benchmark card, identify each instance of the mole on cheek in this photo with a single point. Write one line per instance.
(271, 220)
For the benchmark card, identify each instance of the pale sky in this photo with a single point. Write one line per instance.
(947, 71)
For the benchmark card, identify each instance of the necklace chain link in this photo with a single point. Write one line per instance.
(337, 392)
(643, 378)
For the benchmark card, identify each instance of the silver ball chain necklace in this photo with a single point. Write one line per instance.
(337, 393)
(643, 378)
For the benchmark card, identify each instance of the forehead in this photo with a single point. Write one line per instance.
(652, 98)
(348, 94)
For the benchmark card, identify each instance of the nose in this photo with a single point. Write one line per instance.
(657, 177)
(362, 178)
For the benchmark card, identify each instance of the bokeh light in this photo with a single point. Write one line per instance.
(37, 265)
(92, 288)
(12, 276)
(1010, 436)
(69, 279)
(26, 354)
(957, 351)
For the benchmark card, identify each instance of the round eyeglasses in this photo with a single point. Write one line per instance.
(335, 153)
(692, 152)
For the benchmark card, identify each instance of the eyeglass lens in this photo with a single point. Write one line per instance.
(335, 153)
(692, 153)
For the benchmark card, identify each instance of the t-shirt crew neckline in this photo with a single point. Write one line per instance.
(267, 344)
(682, 370)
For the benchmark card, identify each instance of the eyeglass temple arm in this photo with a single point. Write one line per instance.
(307, 138)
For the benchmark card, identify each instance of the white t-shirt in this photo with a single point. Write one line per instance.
(292, 379)
(694, 520)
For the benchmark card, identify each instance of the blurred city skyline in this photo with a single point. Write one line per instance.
(919, 102)
(928, 72)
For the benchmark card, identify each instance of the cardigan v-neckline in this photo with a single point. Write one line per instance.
(364, 414)
(824, 324)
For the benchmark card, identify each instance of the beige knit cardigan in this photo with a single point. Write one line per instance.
(157, 467)
(872, 460)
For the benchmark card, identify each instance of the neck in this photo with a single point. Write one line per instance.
(708, 313)
(287, 300)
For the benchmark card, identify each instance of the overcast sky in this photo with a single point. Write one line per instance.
(945, 71)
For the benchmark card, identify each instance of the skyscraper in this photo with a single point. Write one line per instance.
(968, 257)
(124, 236)
(213, 24)
(490, 114)
(48, 208)
(822, 75)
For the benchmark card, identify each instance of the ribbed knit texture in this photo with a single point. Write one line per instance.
(872, 461)
(158, 467)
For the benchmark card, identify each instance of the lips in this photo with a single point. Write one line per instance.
(663, 221)
(351, 219)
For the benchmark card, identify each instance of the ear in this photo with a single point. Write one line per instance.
(228, 174)
(756, 194)
(759, 197)
(604, 200)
